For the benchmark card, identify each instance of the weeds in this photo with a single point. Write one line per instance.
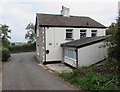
(94, 77)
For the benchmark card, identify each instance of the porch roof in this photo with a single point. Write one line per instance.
(83, 42)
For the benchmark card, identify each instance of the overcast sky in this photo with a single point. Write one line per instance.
(18, 13)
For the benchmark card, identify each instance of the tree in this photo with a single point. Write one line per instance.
(111, 29)
(117, 42)
(113, 41)
(30, 35)
(4, 30)
(12, 44)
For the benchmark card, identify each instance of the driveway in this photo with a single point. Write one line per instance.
(23, 73)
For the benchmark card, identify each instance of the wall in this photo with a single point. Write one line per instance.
(56, 36)
(40, 44)
(91, 54)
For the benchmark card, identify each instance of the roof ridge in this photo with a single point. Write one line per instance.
(61, 15)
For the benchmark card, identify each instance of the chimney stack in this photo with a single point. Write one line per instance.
(65, 11)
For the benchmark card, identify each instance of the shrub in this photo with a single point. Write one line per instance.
(5, 54)
(66, 75)
(87, 78)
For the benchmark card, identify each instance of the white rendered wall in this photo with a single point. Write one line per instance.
(55, 36)
(91, 54)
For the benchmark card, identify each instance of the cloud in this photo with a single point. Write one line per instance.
(18, 10)
(58, 0)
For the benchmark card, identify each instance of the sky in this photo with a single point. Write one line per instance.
(17, 14)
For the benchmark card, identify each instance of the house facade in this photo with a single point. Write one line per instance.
(53, 30)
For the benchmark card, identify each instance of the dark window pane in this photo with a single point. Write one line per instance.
(94, 33)
(68, 33)
(82, 33)
(82, 30)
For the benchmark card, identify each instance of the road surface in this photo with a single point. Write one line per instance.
(23, 73)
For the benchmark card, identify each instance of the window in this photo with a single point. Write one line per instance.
(82, 34)
(69, 34)
(93, 33)
(70, 53)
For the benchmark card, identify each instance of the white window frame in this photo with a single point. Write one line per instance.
(69, 31)
(84, 32)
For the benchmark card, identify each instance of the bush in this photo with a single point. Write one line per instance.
(5, 54)
(22, 48)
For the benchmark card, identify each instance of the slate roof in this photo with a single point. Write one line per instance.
(83, 42)
(50, 20)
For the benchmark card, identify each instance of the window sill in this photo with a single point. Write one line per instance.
(69, 39)
(70, 58)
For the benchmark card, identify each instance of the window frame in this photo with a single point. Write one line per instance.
(71, 54)
(85, 32)
(93, 32)
(69, 31)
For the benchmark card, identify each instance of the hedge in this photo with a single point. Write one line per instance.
(22, 48)
(5, 54)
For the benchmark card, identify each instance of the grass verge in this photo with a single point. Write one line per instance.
(100, 78)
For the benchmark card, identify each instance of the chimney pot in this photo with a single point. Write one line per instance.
(65, 11)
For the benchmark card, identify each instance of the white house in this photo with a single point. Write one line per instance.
(53, 30)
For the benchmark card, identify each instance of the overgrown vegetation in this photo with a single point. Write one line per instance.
(114, 41)
(22, 48)
(100, 78)
(4, 39)
(5, 54)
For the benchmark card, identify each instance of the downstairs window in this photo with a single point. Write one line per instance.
(70, 53)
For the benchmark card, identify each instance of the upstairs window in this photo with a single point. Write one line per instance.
(82, 34)
(93, 33)
(69, 34)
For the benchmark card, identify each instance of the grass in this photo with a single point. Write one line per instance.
(100, 78)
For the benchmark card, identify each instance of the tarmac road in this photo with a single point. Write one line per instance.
(23, 73)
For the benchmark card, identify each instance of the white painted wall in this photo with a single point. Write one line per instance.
(91, 54)
(56, 36)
